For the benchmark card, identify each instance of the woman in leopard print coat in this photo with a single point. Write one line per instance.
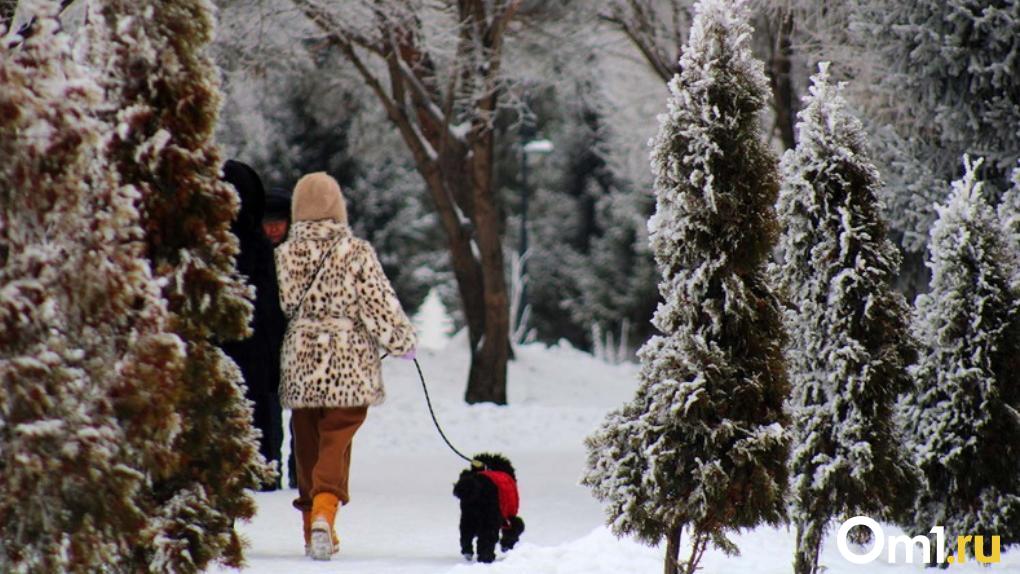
(342, 311)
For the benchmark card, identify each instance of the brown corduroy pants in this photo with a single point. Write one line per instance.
(322, 451)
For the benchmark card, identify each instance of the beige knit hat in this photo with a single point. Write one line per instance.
(318, 196)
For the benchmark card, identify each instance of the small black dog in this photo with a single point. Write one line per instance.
(488, 507)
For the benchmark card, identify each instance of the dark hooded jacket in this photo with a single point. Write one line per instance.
(259, 355)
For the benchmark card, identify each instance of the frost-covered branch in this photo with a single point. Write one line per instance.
(657, 28)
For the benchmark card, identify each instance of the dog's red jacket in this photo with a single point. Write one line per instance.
(506, 486)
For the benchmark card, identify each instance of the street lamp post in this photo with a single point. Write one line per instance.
(533, 147)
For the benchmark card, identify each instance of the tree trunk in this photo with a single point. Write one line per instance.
(805, 553)
(482, 289)
(487, 377)
(457, 171)
(672, 565)
(483, 292)
(799, 561)
(784, 98)
(476, 256)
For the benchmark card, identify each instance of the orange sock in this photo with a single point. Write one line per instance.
(324, 506)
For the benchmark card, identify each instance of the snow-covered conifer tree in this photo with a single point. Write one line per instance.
(961, 418)
(849, 348)
(1009, 218)
(164, 98)
(945, 83)
(703, 444)
(87, 362)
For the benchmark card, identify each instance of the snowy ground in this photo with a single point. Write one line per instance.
(403, 517)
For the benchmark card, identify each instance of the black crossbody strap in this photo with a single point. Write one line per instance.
(318, 273)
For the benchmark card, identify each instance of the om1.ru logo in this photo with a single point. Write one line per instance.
(908, 544)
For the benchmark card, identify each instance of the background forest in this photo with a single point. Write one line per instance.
(792, 225)
(590, 76)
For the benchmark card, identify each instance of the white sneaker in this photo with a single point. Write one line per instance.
(321, 547)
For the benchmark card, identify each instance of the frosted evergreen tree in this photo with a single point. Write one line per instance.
(849, 347)
(961, 418)
(164, 97)
(87, 363)
(946, 83)
(703, 443)
(616, 280)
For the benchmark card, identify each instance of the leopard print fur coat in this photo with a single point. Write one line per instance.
(331, 349)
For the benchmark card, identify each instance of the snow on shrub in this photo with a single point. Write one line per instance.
(163, 102)
(87, 362)
(703, 443)
(850, 345)
(962, 422)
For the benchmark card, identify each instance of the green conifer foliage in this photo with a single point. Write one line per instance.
(164, 99)
(946, 84)
(703, 442)
(962, 419)
(88, 365)
(1009, 219)
(850, 345)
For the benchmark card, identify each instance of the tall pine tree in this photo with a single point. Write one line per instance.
(962, 417)
(703, 443)
(87, 363)
(850, 347)
(164, 98)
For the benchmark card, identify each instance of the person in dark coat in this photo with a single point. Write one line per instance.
(259, 355)
(276, 226)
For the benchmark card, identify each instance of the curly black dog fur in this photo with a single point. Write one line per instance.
(479, 511)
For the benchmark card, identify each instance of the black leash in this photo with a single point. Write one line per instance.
(435, 421)
(428, 400)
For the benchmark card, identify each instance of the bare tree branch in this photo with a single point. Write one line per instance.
(641, 21)
(651, 56)
(502, 20)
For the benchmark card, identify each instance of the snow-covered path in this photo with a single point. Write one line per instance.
(403, 517)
